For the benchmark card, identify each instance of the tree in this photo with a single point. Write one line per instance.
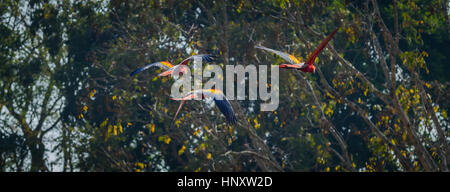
(29, 100)
(377, 102)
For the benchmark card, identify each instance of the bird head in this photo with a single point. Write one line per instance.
(309, 69)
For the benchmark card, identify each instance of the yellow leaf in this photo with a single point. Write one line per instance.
(177, 122)
(202, 146)
(329, 111)
(140, 165)
(92, 93)
(151, 127)
(167, 140)
(164, 138)
(47, 15)
(181, 151)
(257, 125)
(85, 108)
(115, 129)
(103, 124)
(120, 128)
(197, 132)
(108, 132)
(114, 97)
(329, 95)
(209, 156)
(337, 167)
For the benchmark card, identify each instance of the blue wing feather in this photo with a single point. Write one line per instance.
(205, 57)
(225, 107)
(137, 71)
(157, 64)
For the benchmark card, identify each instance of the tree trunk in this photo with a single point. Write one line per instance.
(37, 150)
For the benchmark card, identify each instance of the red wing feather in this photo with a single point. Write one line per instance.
(189, 97)
(291, 66)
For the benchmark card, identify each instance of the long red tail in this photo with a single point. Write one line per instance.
(176, 114)
(322, 45)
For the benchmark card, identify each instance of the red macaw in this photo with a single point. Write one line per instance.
(170, 69)
(294, 63)
(219, 98)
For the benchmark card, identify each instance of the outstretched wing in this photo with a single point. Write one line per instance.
(222, 103)
(162, 64)
(204, 57)
(322, 45)
(289, 58)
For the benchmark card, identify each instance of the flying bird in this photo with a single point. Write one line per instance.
(295, 63)
(170, 69)
(219, 98)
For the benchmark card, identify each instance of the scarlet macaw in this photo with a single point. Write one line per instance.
(294, 63)
(219, 98)
(170, 69)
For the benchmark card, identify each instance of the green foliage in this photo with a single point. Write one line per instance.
(64, 70)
